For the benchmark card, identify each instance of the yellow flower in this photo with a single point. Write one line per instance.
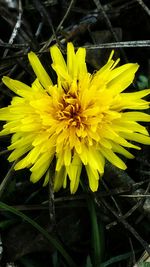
(82, 120)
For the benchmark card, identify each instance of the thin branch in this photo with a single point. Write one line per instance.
(135, 196)
(140, 43)
(139, 204)
(51, 200)
(109, 25)
(144, 6)
(107, 20)
(16, 28)
(59, 26)
(13, 46)
(66, 15)
(45, 15)
(126, 224)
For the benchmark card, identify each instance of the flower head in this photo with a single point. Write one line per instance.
(82, 120)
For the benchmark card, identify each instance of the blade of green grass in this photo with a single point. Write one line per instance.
(97, 238)
(7, 223)
(58, 246)
(97, 241)
(116, 259)
(6, 179)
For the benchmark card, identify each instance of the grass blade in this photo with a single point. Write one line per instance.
(51, 239)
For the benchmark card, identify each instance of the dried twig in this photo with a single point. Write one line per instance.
(125, 223)
(107, 20)
(13, 46)
(140, 43)
(59, 26)
(45, 15)
(16, 28)
(144, 6)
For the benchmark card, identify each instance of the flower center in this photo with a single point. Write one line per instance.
(70, 110)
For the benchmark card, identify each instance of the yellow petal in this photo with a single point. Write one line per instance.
(135, 116)
(118, 71)
(111, 56)
(96, 160)
(34, 154)
(42, 162)
(140, 138)
(121, 150)
(71, 60)
(39, 70)
(136, 95)
(17, 153)
(46, 179)
(61, 72)
(6, 115)
(16, 86)
(57, 57)
(67, 157)
(123, 79)
(22, 141)
(23, 163)
(59, 178)
(40, 167)
(74, 171)
(80, 57)
(113, 158)
(93, 177)
(59, 161)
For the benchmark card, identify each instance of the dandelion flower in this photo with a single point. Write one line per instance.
(82, 120)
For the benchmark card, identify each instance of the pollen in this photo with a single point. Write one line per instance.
(70, 111)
